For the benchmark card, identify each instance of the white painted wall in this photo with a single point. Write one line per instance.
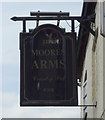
(95, 65)
(104, 78)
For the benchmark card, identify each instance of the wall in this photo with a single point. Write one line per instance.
(95, 65)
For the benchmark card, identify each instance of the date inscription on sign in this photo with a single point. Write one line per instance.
(48, 67)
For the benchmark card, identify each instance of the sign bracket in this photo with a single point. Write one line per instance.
(86, 105)
(55, 16)
(56, 36)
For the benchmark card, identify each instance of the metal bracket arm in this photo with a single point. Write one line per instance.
(87, 106)
(87, 28)
(37, 18)
(47, 18)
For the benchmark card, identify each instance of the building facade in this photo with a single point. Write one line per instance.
(91, 60)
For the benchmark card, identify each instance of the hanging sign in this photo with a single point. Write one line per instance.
(48, 67)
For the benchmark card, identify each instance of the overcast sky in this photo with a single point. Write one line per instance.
(10, 58)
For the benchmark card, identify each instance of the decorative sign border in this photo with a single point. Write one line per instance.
(24, 101)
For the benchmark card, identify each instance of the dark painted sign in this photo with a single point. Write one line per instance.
(48, 67)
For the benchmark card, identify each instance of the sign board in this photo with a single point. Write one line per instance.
(48, 67)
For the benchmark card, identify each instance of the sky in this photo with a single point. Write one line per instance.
(9, 58)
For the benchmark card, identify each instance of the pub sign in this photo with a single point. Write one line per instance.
(48, 67)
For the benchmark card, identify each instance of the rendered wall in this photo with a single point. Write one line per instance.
(95, 65)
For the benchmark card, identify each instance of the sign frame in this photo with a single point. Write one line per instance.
(26, 102)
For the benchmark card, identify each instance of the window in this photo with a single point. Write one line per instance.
(102, 18)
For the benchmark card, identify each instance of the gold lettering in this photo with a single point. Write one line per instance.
(41, 52)
(48, 89)
(35, 52)
(43, 64)
(50, 41)
(53, 52)
(35, 65)
(53, 64)
(47, 52)
(61, 62)
(48, 64)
